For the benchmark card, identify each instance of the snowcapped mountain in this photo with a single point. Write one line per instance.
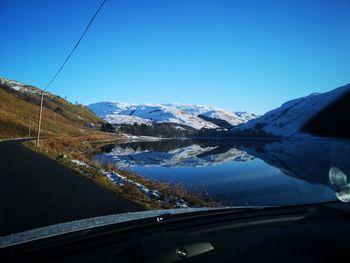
(289, 119)
(233, 118)
(195, 116)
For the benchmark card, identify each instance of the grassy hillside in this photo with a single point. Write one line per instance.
(19, 109)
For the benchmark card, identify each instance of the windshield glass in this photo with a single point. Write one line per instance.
(109, 107)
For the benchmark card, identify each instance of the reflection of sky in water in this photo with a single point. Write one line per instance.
(253, 182)
(264, 175)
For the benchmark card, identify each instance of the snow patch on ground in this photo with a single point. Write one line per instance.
(121, 181)
(18, 86)
(80, 163)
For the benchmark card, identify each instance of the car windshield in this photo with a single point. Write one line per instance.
(111, 107)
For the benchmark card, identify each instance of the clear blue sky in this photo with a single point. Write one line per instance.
(238, 55)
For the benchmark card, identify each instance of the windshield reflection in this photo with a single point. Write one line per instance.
(340, 182)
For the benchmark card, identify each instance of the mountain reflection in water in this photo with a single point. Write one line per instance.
(244, 172)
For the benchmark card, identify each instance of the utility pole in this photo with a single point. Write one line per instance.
(39, 121)
(56, 121)
(30, 126)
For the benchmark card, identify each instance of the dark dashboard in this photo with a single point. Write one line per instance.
(292, 234)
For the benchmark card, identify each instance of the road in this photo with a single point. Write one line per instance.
(36, 191)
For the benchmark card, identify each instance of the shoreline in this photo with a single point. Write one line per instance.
(75, 154)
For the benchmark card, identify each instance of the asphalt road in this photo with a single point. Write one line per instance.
(36, 191)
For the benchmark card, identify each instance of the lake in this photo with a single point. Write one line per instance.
(255, 172)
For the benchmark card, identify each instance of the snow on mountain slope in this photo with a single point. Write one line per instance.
(19, 86)
(246, 116)
(107, 108)
(216, 113)
(129, 113)
(120, 119)
(16, 85)
(288, 120)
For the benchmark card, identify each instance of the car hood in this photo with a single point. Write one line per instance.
(84, 224)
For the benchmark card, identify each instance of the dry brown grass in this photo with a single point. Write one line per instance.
(77, 146)
(17, 114)
(196, 197)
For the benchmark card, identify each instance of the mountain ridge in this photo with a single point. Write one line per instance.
(292, 117)
(194, 116)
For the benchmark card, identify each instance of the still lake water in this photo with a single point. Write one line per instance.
(243, 172)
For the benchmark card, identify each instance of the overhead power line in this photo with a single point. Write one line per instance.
(76, 45)
(60, 69)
